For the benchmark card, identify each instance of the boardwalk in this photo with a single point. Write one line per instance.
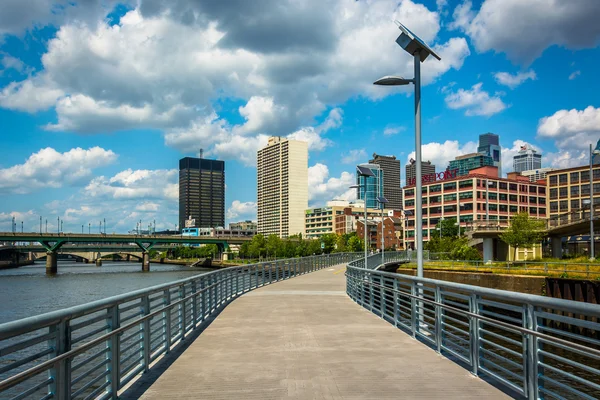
(303, 338)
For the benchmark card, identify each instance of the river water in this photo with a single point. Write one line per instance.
(28, 291)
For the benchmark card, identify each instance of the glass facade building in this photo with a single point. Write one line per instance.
(201, 193)
(373, 187)
(527, 159)
(489, 144)
(392, 190)
(468, 162)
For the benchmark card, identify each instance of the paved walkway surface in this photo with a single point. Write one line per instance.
(303, 338)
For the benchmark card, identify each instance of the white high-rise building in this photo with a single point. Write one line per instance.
(527, 159)
(535, 175)
(282, 187)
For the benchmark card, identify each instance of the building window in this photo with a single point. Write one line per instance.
(532, 189)
(553, 206)
(562, 179)
(409, 203)
(541, 200)
(503, 197)
(563, 192)
(513, 209)
(542, 211)
(596, 188)
(585, 176)
(523, 199)
(467, 206)
(596, 174)
(575, 204)
(542, 190)
(533, 199)
(466, 195)
(450, 197)
(450, 208)
(450, 186)
(435, 199)
(493, 196)
(585, 189)
(467, 184)
(424, 200)
(553, 180)
(553, 194)
(523, 188)
(409, 192)
(564, 205)
(435, 210)
(512, 187)
(574, 190)
(574, 177)
(512, 197)
(503, 185)
(533, 210)
(435, 188)
(493, 207)
(503, 208)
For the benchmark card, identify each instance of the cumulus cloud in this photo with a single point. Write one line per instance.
(138, 184)
(475, 101)
(322, 188)
(49, 168)
(214, 53)
(440, 154)
(354, 156)
(574, 75)
(312, 135)
(534, 26)
(241, 211)
(512, 81)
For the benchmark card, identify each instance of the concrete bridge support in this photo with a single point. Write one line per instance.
(98, 262)
(145, 261)
(488, 249)
(556, 247)
(51, 262)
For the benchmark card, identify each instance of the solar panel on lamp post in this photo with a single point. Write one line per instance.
(413, 45)
(382, 201)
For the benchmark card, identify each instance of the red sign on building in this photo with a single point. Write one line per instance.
(440, 176)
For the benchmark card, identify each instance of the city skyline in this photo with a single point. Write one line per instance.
(95, 115)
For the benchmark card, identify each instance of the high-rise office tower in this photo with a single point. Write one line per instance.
(467, 162)
(596, 157)
(374, 186)
(392, 190)
(201, 193)
(282, 187)
(527, 159)
(489, 144)
(427, 168)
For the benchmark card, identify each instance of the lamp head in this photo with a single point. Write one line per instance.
(392, 81)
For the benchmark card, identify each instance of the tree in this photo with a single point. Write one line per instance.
(257, 246)
(523, 232)
(355, 243)
(273, 246)
(329, 240)
(449, 227)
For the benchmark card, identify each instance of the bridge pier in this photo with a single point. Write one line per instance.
(51, 264)
(556, 247)
(145, 261)
(488, 249)
(98, 262)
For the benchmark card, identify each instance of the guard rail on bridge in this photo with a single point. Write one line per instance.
(93, 350)
(533, 346)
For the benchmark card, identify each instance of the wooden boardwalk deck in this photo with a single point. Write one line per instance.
(303, 338)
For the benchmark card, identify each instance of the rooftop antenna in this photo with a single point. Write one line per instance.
(201, 152)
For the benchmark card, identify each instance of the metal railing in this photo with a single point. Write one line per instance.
(532, 346)
(93, 350)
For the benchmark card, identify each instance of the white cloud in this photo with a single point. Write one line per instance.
(393, 130)
(241, 148)
(138, 184)
(354, 156)
(440, 154)
(572, 131)
(50, 169)
(524, 29)
(31, 95)
(322, 188)
(10, 62)
(313, 135)
(574, 75)
(147, 206)
(475, 101)
(512, 81)
(241, 211)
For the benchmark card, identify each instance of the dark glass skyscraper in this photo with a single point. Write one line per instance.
(201, 193)
(489, 144)
(392, 190)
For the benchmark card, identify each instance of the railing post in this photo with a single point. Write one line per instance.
(532, 354)
(371, 295)
(474, 334)
(382, 295)
(146, 332)
(396, 308)
(167, 316)
(203, 296)
(438, 319)
(182, 312)
(413, 308)
(113, 353)
(194, 289)
(61, 371)
(276, 271)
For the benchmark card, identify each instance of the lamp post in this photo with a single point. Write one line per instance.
(420, 51)
(382, 201)
(89, 228)
(40, 224)
(46, 225)
(365, 173)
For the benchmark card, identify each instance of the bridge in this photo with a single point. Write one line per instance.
(314, 327)
(53, 242)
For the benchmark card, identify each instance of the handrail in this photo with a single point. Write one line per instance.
(128, 332)
(531, 345)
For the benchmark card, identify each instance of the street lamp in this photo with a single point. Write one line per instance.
(383, 201)
(365, 173)
(414, 46)
(89, 228)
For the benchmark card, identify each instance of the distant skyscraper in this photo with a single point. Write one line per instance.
(535, 175)
(427, 168)
(374, 187)
(596, 158)
(527, 159)
(392, 190)
(282, 187)
(489, 144)
(467, 162)
(201, 193)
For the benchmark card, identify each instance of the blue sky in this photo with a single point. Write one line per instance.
(99, 99)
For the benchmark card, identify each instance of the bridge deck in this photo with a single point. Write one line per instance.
(304, 338)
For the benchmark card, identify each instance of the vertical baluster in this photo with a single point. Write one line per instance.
(474, 334)
(396, 300)
(438, 319)
(113, 353)
(182, 310)
(532, 354)
(194, 290)
(167, 319)
(146, 332)
(413, 308)
(203, 295)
